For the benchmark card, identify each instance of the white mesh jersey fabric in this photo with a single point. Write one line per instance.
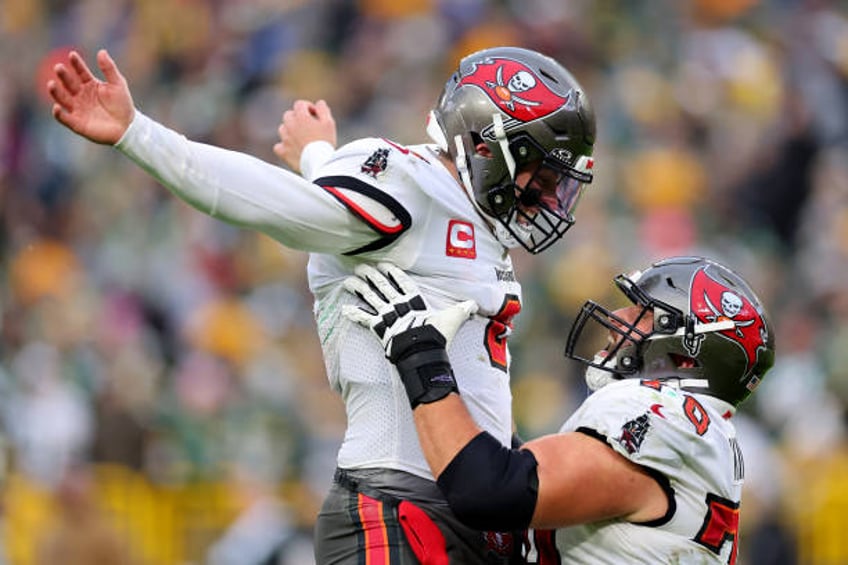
(381, 431)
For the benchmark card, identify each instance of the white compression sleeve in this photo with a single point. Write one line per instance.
(243, 190)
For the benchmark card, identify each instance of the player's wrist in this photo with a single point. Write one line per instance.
(421, 359)
(313, 156)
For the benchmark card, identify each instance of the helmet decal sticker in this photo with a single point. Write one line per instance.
(514, 88)
(711, 301)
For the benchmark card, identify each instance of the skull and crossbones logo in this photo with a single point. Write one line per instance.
(731, 304)
(522, 81)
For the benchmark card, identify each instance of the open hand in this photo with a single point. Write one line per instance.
(97, 110)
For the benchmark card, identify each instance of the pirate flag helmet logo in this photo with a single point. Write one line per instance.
(712, 301)
(515, 88)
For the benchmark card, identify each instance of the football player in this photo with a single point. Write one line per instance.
(512, 134)
(648, 469)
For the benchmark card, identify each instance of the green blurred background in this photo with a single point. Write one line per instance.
(162, 391)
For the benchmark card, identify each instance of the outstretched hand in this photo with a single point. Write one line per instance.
(100, 111)
(395, 305)
(304, 123)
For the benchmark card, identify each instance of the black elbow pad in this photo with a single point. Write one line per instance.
(491, 487)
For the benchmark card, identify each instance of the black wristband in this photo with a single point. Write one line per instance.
(421, 359)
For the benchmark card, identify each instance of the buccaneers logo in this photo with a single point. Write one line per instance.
(499, 543)
(514, 88)
(633, 433)
(714, 302)
(376, 163)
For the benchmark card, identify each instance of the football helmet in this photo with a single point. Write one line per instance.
(710, 332)
(533, 117)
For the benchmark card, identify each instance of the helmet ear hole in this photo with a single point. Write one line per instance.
(501, 199)
(523, 150)
(684, 361)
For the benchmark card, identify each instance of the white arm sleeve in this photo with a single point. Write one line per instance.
(313, 156)
(245, 191)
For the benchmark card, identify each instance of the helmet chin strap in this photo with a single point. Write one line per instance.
(434, 131)
(596, 378)
(500, 136)
(461, 163)
(501, 233)
(504, 235)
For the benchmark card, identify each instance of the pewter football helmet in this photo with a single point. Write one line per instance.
(532, 115)
(710, 332)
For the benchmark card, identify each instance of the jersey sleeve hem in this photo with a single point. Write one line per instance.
(314, 156)
(337, 185)
(658, 476)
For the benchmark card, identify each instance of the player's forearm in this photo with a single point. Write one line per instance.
(488, 485)
(239, 189)
(444, 428)
(314, 155)
(193, 171)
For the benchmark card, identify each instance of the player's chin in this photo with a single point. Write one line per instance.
(526, 215)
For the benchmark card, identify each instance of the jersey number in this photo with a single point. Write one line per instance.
(498, 329)
(720, 524)
(697, 415)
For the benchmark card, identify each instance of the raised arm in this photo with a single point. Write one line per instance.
(232, 186)
(307, 136)
(97, 110)
(554, 481)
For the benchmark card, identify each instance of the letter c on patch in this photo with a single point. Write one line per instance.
(460, 241)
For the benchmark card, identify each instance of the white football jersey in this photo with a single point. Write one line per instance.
(373, 200)
(688, 441)
(445, 246)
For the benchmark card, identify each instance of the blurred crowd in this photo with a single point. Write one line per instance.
(136, 332)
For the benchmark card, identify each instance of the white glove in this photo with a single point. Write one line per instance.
(414, 337)
(396, 305)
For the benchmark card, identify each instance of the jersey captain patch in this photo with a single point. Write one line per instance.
(460, 240)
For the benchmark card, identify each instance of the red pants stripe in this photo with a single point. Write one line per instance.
(374, 530)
